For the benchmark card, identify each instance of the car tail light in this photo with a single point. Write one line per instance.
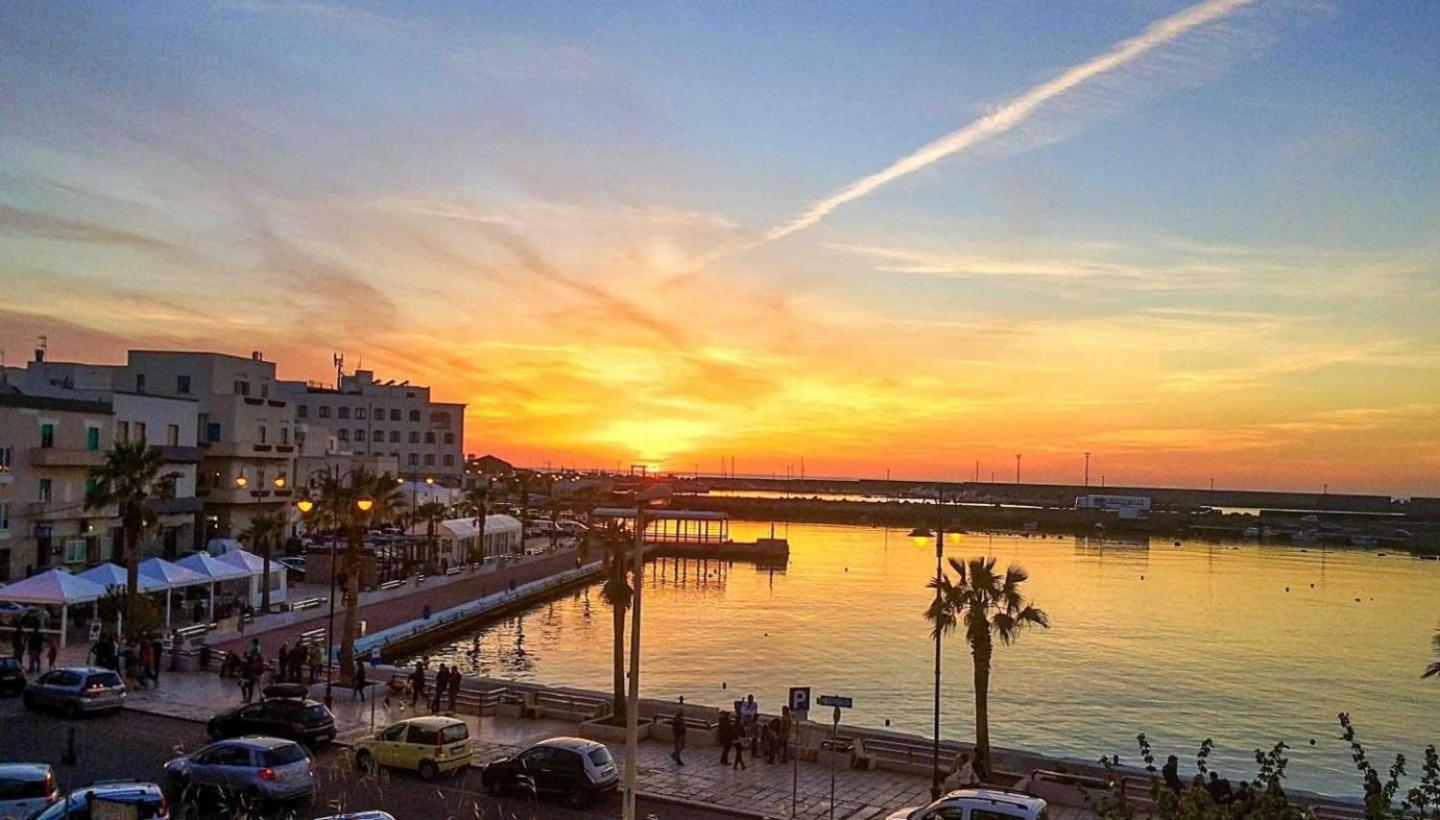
(439, 749)
(164, 807)
(267, 773)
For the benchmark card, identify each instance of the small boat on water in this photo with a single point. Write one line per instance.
(1251, 532)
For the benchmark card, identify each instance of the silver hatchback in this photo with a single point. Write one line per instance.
(76, 690)
(253, 768)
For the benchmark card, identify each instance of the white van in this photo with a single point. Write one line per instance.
(978, 804)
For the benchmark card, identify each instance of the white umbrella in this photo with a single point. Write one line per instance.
(173, 576)
(213, 569)
(57, 588)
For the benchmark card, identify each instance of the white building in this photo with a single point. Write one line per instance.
(392, 419)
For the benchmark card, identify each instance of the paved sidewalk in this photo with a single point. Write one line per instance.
(761, 788)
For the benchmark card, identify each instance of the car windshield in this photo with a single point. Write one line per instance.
(104, 679)
(282, 755)
(454, 734)
(601, 756)
(315, 712)
(23, 788)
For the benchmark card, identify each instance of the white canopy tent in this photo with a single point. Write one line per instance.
(54, 588)
(113, 575)
(173, 576)
(214, 570)
(457, 537)
(255, 566)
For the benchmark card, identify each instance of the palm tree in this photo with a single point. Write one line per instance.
(130, 480)
(522, 482)
(991, 606)
(615, 546)
(264, 530)
(337, 506)
(477, 503)
(1433, 670)
(430, 512)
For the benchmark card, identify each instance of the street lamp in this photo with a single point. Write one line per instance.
(920, 539)
(651, 496)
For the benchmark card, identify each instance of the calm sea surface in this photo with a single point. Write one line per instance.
(1240, 643)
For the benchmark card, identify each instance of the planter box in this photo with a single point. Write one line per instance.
(839, 760)
(606, 731)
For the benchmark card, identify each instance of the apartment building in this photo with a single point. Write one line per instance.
(244, 430)
(398, 420)
(47, 446)
(162, 421)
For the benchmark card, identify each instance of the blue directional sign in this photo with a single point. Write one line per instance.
(836, 701)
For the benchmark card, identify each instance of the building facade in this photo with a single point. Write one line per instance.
(396, 420)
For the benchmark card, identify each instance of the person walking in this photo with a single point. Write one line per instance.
(677, 733)
(316, 661)
(739, 743)
(37, 644)
(963, 774)
(442, 683)
(282, 662)
(1171, 774)
(147, 661)
(51, 653)
(417, 683)
(454, 686)
(357, 686)
(787, 724)
(727, 737)
(157, 651)
(750, 721)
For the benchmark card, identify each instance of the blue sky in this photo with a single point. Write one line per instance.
(1245, 215)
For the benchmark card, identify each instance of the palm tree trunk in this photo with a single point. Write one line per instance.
(265, 578)
(982, 708)
(617, 567)
(352, 597)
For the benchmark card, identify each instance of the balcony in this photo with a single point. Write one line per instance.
(181, 455)
(247, 495)
(245, 449)
(60, 457)
(65, 511)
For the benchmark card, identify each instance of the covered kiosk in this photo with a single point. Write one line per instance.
(54, 587)
(215, 572)
(459, 538)
(254, 565)
(173, 576)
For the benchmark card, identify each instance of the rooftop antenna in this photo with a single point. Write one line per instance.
(339, 359)
(42, 347)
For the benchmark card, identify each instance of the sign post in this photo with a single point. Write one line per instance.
(799, 708)
(839, 703)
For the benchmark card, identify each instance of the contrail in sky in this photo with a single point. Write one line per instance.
(1014, 112)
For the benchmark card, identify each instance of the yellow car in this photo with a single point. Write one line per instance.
(430, 746)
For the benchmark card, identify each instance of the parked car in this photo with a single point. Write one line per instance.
(430, 746)
(147, 798)
(76, 690)
(26, 789)
(295, 718)
(255, 768)
(573, 768)
(12, 677)
(988, 803)
(296, 566)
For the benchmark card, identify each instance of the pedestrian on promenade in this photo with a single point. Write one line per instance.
(17, 643)
(749, 721)
(739, 744)
(37, 644)
(282, 661)
(1171, 774)
(147, 660)
(417, 683)
(442, 683)
(157, 649)
(454, 686)
(677, 732)
(51, 653)
(254, 666)
(962, 775)
(316, 661)
(786, 725)
(727, 737)
(254, 648)
(357, 687)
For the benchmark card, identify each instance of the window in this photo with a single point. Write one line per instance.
(422, 736)
(394, 733)
(122, 431)
(212, 431)
(302, 411)
(360, 413)
(284, 435)
(182, 384)
(414, 437)
(343, 412)
(139, 382)
(414, 415)
(139, 431)
(90, 485)
(429, 459)
(46, 486)
(395, 436)
(324, 412)
(359, 435)
(449, 438)
(47, 434)
(92, 438)
(449, 461)
(343, 434)
(4, 516)
(394, 415)
(264, 390)
(242, 388)
(413, 460)
(429, 438)
(264, 434)
(5, 458)
(172, 435)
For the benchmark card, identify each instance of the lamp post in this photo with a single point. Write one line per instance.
(306, 505)
(650, 496)
(920, 540)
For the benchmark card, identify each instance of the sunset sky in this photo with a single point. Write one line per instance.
(1198, 240)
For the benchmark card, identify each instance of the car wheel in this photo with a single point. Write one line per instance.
(364, 761)
(428, 771)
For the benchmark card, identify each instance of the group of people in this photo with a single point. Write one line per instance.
(444, 694)
(138, 661)
(32, 646)
(1217, 787)
(744, 726)
(290, 665)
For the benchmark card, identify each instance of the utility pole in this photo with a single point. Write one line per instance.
(1087, 471)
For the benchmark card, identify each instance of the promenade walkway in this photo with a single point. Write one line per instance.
(762, 790)
(439, 593)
